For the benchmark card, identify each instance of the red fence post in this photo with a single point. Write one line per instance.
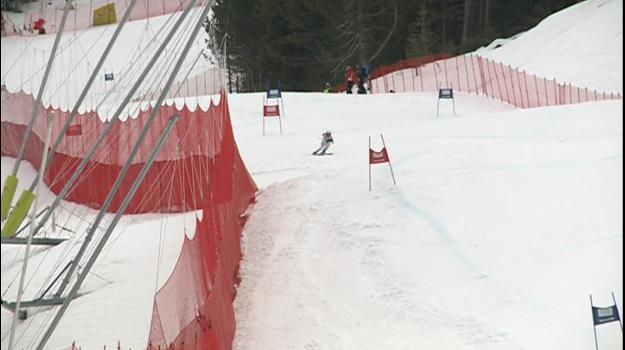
(555, 93)
(458, 73)
(546, 91)
(446, 79)
(403, 81)
(481, 69)
(505, 83)
(497, 80)
(527, 94)
(512, 84)
(466, 71)
(520, 86)
(435, 75)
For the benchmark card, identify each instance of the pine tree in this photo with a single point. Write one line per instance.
(421, 38)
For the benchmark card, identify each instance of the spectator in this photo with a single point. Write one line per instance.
(350, 77)
(327, 89)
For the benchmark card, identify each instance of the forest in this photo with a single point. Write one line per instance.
(303, 44)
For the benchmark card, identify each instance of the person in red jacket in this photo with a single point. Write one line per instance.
(350, 77)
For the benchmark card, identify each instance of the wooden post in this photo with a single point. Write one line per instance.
(421, 77)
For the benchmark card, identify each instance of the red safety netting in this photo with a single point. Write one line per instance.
(193, 310)
(82, 14)
(178, 179)
(475, 74)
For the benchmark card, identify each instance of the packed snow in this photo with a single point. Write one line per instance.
(501, 224)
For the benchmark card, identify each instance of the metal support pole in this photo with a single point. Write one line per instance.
(85, 90)
(20, 289)
(68, 185)
(11, 182)
(146, 129)
(594, 327)
(616, 307)
(109, 230)
(44, 81)
(389, 159)
(369, 163)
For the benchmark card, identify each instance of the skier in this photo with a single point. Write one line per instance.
(326, 140)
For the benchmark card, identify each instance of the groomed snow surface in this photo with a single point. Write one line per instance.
(500, 225)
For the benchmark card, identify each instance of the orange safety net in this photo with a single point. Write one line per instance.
(178, 180)
(193, 310)
(474, 74)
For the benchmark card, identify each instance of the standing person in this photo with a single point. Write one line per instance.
(326, 141)
(366, 70)
(361, 81)
(327, 89)
(350, 77)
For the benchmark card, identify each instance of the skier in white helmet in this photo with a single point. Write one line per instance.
(326, 141)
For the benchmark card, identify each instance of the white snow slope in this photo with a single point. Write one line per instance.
(582, 44)
(500, 225)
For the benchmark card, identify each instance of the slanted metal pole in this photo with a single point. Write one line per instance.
(146, 129)
(10, 184)
(617, 314)
(20, 289)
(107, 233)
(369, 163)
(85, 90)
(594, 327)
(115, 119)
(389, 160)
(44, 81)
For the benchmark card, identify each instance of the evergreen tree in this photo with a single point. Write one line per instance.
(421, 39)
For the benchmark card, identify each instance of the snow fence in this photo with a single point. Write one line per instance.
(475, 74)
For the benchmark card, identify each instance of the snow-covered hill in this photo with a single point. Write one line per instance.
(582, 44)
